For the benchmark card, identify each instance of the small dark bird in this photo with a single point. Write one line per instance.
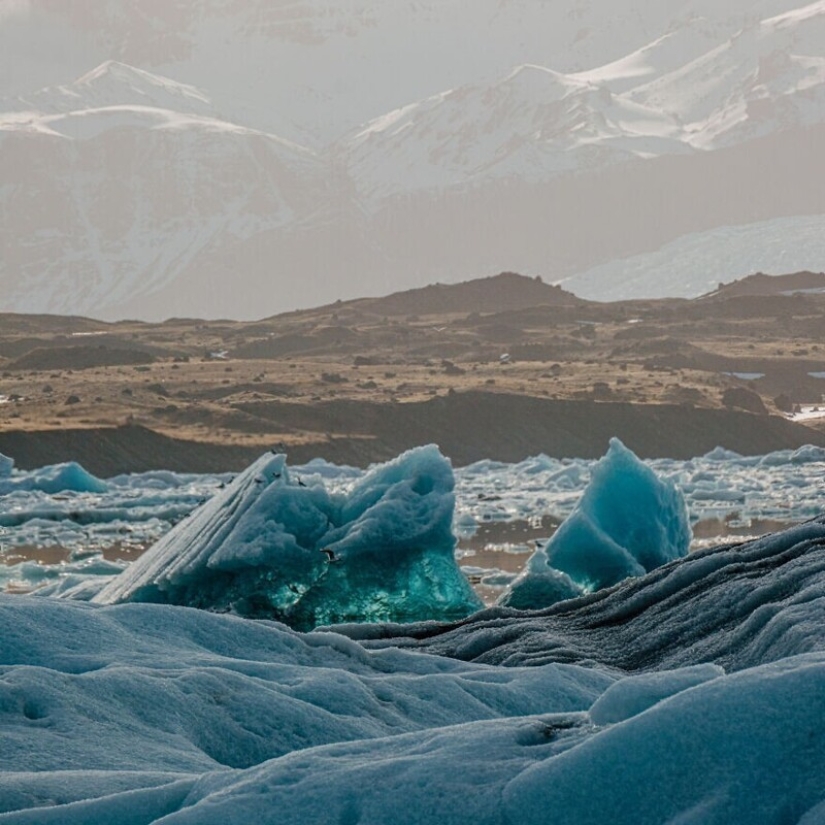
(330, 554)
(301, 483)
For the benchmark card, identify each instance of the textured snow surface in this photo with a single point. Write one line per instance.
(693, 694)
(269, 546)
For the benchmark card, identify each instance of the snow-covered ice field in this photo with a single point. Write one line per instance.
(694, 693)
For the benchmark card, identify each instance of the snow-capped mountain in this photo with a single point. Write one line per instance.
(768, 77)
(533, 124)
(105, 204)
(238, 158)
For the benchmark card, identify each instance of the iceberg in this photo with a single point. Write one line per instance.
(539, 585)
(6, 466)
(56, 478)
(274, 546)
(627, 523)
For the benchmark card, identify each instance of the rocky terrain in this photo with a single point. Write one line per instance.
(501, 367)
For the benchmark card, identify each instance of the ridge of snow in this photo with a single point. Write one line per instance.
(113, 83)
(531, 123)
(766, 78)
(86, 124)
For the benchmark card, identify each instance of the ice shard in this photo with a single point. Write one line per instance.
(273, 546)
(627, 523)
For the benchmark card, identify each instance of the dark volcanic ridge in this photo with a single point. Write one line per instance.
(502, 367)
(468, 427)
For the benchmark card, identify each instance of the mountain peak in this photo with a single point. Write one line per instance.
(115, 79)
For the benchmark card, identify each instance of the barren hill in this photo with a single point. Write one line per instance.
(761, 284)
(498, 293)
(360, 380)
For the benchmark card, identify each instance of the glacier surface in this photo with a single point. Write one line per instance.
(692, 694)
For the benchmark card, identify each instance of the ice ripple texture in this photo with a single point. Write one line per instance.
(693, 694)
(737, 606)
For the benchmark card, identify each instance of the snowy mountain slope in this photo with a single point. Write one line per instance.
(663, 55)
(449, 140)
(314, 70)
(100, 205)
(533, 124)
(768, 77)
(536, 123)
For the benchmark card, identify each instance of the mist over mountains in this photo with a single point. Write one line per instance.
(236, 159)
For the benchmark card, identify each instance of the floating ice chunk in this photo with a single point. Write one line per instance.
(539, 585)
(272, 546)
(629, 697)
(56, 478)
(627, 523)
(6, 466)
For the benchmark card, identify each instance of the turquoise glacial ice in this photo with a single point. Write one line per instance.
(627, 523)
(273, 546)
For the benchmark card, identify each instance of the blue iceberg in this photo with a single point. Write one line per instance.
(273, 546)
(539, 585)
(6, 466)
(56, 478)
(627, 523)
